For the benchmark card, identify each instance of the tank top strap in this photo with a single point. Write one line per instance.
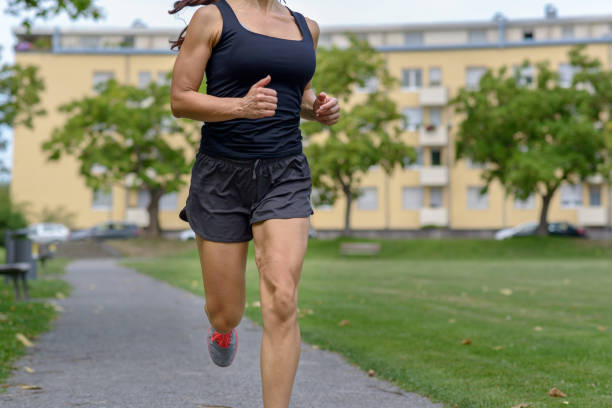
(229, 18)
(301, 21)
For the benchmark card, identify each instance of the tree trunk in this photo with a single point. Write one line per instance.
(347, 214)
(543, 226)
(153, 230)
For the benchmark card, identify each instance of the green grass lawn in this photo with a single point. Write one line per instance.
(27, 318)
(537, 313)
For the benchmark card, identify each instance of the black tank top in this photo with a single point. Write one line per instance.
(238, 61)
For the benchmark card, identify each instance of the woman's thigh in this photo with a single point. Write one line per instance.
(280, 247)
(223, 268)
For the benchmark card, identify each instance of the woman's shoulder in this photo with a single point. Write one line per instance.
(314, 28)
(207, 23)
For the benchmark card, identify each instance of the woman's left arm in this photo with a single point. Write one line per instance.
(321, 108)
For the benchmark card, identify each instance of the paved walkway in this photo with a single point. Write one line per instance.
(127, 340)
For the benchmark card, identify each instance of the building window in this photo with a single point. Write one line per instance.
(413, 38)
(566, 75)
(571, 195)
(528, 34)
(168, 201)
(528, 204)
(471, 164)
(477, 36)
(90, 42)
(412, 198)
(473, 75)
(412, 78)
(419, 159)
(436, 157)
(475, 200)
(525, 76)
(143, 199)
(368, 199)
(435, 116)
(435, 197)
(567, 32)
(413, 118)
(101, 77)
(102, 199)
(595, 196)
(315, 200)
(435, 76)
(371, 85)
(163, 78)
(144, 79)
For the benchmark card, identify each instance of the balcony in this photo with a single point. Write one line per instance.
(433, 96)
(433, 176)
(433, 216)
(595, 179)
(592, 216)
(437, 136)
(138, 216)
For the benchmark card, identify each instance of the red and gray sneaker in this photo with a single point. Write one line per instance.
(222, 347)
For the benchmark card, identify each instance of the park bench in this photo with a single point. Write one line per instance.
(17, 272)
(359, 248)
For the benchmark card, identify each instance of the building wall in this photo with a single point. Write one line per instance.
(70, 76)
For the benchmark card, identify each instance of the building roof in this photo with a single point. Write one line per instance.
(357, 28)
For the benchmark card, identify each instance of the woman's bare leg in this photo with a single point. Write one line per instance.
(223, 267)
(280, 246)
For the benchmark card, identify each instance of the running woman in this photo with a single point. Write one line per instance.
(250, 179)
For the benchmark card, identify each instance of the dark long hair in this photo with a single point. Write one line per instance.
(178, 6)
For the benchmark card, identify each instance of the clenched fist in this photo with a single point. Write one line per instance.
(259, 102)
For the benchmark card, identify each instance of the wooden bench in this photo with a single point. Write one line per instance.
(359, 248)
(17, 272)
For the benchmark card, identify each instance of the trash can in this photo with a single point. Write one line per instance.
(19, 249)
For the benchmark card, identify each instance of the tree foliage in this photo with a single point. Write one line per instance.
(30, 10)
(127, 136)
(535, 137)
(367, 133)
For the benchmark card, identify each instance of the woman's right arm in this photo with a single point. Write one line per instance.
(203, 33)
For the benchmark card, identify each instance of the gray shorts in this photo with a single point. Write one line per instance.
(227, 196)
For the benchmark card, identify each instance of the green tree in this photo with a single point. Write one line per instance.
(19, 85)
(127, 136)
(19, 98)
(533, 136)
(31, 10)
(368, 132)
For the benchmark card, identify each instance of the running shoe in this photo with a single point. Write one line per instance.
(222, 347)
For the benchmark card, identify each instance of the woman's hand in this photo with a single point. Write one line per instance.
(259, 102)
(326, 109)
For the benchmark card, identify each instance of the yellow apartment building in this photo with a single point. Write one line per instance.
(432, 61)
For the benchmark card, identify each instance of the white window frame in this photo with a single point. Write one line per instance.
(478, 36)
(144, 78)
(101, 77)
(471, 73)
(528, 204)
(415, 79)
(413, 38)
(435, 79)
(408, 125)
(417, 194)
(96, 197)
(571, 196)
(439, 191)
(475, 200)
(592, 189)
(370, 86)
(363, 203)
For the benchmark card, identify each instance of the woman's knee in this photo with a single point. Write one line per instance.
(279, 306)
(224, 317)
